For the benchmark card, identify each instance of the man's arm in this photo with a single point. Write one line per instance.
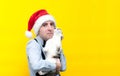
(35, 58)
(63, 61)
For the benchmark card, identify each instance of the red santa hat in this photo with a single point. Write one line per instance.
(36, 21)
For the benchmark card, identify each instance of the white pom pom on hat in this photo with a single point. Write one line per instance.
(36, 21)
(28, 34)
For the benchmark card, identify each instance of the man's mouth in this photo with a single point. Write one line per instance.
(49, 33)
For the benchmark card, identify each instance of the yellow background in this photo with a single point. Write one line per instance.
(91, 31)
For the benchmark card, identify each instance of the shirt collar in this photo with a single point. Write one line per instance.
(40, 40)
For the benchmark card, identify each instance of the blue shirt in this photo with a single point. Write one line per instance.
(35, 60)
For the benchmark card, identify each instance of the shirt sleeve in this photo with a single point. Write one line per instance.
(63, 61)
(35, 58)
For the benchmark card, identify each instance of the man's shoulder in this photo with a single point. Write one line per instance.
(32, 42)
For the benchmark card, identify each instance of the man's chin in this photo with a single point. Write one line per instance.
(48, 37)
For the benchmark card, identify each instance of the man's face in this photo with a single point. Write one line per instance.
(46, 31)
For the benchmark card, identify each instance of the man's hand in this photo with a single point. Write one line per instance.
(58, 65)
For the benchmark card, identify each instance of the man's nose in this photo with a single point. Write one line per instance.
(50, 27)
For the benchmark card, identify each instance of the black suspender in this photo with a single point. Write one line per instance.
(43, 56)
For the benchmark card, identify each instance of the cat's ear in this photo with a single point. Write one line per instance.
(59, 50)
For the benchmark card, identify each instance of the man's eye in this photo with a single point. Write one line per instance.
(52, 24)
(44, 24)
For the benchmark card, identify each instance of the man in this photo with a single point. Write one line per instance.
(43, 25)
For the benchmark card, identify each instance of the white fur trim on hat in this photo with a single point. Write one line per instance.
(40, 21)
(28, 34)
